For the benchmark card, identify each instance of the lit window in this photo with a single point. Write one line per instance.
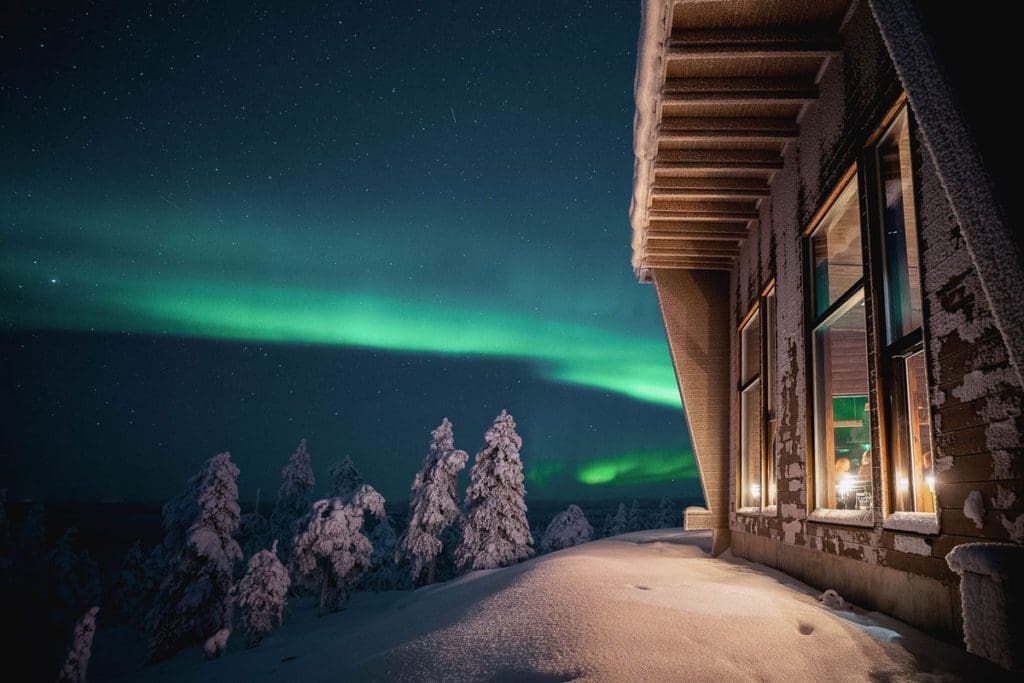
(913, 482)
(750, 412)
(841, 400)
(757, 478)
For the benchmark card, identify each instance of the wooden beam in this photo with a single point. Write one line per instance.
(717, 165)
(746, 211)
(738, 91)
(751, 43)
(719, 217)
(695, 230)
(692, 253)
(683, 243)
(688, 264)
(752, 187)
(684, 193)
(682, 129)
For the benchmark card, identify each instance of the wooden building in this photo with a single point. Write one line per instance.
(841, 288)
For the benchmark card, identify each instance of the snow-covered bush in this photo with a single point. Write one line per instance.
(569, 527)
(214, 646)
(668, 515)
(331, 548)
(293, 499)
(261, 594)
(76, 662)
(346, 477)
(495, 532)
(194, 601)
(433, 505)
(616, 524)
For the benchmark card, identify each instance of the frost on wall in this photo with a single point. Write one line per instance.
(974, 508)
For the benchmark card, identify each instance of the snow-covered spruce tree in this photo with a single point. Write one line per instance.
(668, 515)
(76, 662)
(131, 585)
(495, 532)
(569, 527)
(331, 548)
(433, 505)
(618, 523)
(253, 534)
(346, 478)
(194, 602)
(261, 594)
(73, 580)
(635, 518)
(383, 573)
(293, 499)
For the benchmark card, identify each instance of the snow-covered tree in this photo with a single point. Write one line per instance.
(618, 523)
(433, 505)
(293, 499)
(668, 515)
(569, 527)
(131, 585)
(331, 548)
(77, 660)
(253, 534)
(383, 573)
(262, 594)
(495, 532)
(346, 477)
(194, 602)
(635, 518)
(73, 580)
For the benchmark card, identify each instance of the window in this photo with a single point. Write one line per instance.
(757, 479)
(841, 400)
(913, 481)
(750, 412)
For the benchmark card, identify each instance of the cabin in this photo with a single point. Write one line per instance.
(820, 203)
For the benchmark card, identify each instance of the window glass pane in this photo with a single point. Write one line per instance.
(750, 446)
(836, 250)
(750, 359)
(902, 276)
(842, 464)
(915, 478)
(769, 394)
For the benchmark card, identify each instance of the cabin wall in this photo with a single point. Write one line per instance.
(976, 399)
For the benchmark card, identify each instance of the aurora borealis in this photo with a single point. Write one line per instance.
(317, 216)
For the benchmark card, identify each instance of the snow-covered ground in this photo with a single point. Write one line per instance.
(645, 606)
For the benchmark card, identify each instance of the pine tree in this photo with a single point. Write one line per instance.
(253, 530)
(433, 505)
(668, 516)
(635, 519)
(262, 594)
(495, 531)
(346, 477)
(618, 523)
(74, 581)
(293, 499)
(131, 585)
(77, 660)
(569, 527)
(331, 548)
(383, 572)
(194, 602)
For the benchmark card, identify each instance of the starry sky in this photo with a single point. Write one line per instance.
(227, 226)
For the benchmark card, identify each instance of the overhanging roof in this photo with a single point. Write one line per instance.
(720, 88)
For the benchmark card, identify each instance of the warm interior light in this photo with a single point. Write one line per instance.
(930, 480)
(755, 491)
(903, 484)
(843, 485)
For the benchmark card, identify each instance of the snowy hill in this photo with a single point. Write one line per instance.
(644, 606)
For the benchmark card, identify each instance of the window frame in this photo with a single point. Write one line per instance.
(890, 357)
(765, 377)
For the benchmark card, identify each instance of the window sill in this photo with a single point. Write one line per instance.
(926, 523)
(770, 511)
(751, 511)
(863, 518)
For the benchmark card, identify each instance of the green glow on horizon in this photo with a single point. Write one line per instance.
(540, 473)
(638, 468)
(220, 284)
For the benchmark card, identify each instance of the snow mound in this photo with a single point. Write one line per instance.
(831, 598)
(649, 605)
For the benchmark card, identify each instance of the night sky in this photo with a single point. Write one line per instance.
(227, 226)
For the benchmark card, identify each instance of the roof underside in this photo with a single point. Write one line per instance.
(720, 88)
